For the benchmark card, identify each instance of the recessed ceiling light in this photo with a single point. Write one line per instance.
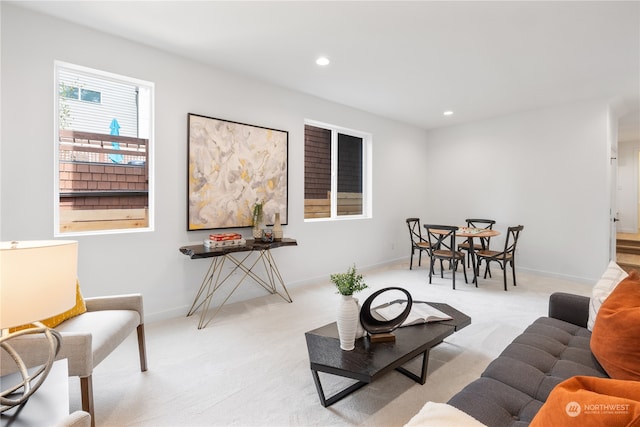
(448, 113)
(323, 61)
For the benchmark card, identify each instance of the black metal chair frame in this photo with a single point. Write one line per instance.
(504, 258)
(418, 242)
(444, 248)
(486, 224)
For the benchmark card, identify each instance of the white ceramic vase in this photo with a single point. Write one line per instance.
(277, 228)
(348, 321)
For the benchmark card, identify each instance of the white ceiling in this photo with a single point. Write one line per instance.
(408, 61)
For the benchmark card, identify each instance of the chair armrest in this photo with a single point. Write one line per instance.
(77, 348)
(34, 350)
(117, 302)
(571, 308)
(76, 419)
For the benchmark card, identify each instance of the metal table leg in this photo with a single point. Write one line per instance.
(214, 279)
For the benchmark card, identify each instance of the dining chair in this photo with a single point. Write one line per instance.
(486, 224)
(504, 257)
(418, 243)
(442, 240)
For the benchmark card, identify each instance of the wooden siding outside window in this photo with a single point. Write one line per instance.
(95, 194)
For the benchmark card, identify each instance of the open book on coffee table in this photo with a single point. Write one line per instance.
(421, 312)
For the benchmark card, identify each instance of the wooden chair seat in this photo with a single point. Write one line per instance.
(446, 254)
(464, 245)
(494, 254)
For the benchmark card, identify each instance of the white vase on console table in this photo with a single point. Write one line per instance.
(277, 228)
(348, 319)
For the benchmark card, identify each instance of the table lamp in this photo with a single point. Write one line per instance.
(37, 281)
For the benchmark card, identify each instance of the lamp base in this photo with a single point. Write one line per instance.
(30, 381)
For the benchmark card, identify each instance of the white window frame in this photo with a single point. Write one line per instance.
(367, 174)
(56, 158)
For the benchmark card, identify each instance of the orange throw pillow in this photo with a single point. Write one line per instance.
(615, 340)
(591, 401)
(54, 321)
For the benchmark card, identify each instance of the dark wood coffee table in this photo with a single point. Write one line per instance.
(369, 361)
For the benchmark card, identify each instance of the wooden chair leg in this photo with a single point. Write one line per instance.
(453, 267)
(464, 270)
(431, 263)
(142, 348)
(504, 275)
(86, 392)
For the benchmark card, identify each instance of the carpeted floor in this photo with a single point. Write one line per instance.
(250, 367)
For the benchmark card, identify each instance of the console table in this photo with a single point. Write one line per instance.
(214, 279)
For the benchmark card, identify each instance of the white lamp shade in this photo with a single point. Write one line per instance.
(37, 280)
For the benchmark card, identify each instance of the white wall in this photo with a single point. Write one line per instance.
(545, 169)
(628, 186)
(150, 262)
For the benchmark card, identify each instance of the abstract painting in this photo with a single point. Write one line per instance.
(231, 167)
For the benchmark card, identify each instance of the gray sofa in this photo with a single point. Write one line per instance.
(516, 384)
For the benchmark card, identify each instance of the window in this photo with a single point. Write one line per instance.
(69, 92)
(337, 172)
(103, 146)
(73, 92)
(90, 95)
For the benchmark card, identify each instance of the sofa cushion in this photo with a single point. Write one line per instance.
(108, 328)
(588, 401)
(496, 404)
(603, 288)
(79, 308)
(616, 332)
(515, 385)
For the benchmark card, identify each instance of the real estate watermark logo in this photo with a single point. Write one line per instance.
(573, 409)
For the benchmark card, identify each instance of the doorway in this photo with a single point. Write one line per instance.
(628, 241)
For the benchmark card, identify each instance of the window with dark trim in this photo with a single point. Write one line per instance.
(336, 172)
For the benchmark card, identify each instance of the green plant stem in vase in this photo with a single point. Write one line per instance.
(257, 216)
(348, 315)
(349, 282)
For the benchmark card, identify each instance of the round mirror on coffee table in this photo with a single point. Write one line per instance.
(379, 329)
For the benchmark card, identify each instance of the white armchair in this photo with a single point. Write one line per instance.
(87, 340)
